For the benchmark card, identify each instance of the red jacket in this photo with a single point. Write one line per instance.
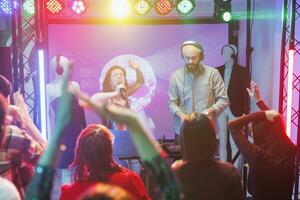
(125, 179)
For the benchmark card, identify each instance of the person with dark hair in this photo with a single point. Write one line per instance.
(14, 113)
(18, 113)
(21, 143)
(150, 153)
(195, 87)
(94, 163)
(199, 174)
(19, 152)
(272, 156)
(116, 89)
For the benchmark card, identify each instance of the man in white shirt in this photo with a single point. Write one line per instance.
(195, 87)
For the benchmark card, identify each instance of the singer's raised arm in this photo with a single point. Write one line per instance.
(139, 78)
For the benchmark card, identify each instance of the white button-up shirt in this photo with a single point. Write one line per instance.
(195, 93)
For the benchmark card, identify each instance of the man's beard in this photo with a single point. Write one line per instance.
(192, 67)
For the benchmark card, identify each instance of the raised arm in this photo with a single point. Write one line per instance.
(41, 184)
(139, 78)
(147, 149)
(247, 149)
(31, 129)
(254, 93)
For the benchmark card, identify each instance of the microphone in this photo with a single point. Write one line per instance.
(123, 93)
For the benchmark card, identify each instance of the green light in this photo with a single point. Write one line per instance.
(185, 7)
(226, 16)
(39, 169)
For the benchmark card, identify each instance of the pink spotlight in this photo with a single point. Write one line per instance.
(289, 93)
(78, 6)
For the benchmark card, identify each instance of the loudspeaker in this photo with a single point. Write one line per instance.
(5, 63)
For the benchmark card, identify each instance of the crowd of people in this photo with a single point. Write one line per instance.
(199, 97)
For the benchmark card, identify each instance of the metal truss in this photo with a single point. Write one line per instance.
(24, 40)
(29, 43)
(291, 22)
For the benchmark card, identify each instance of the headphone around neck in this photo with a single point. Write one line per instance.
(233, 55)
(59, 69)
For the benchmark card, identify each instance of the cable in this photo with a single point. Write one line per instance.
(184, 70)
(251, 28)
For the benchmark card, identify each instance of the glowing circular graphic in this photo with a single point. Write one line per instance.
(144, 95)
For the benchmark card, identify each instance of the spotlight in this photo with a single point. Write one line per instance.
(78, 6)
(54, 7)
(163, 7)
(222, 10)
(141, 7)
(226, 16)
(120, 8)
(28, 6)
(185, 7)
(5, 7)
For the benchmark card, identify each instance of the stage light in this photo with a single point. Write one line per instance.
(163, 7)
(120, 8)
(226, 16)
(141, 7)
(28, 6)
(54, 6)
(222, 10)
(185, 7)
(5, 7)
(78, 6)
(289, 102)
(42, 83)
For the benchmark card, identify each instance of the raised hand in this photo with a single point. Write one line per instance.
(254, 91)
(134, 65)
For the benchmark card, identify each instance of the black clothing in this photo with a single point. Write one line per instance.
(236, 91)
(271, 168)
(76, 124)
(214, 180)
